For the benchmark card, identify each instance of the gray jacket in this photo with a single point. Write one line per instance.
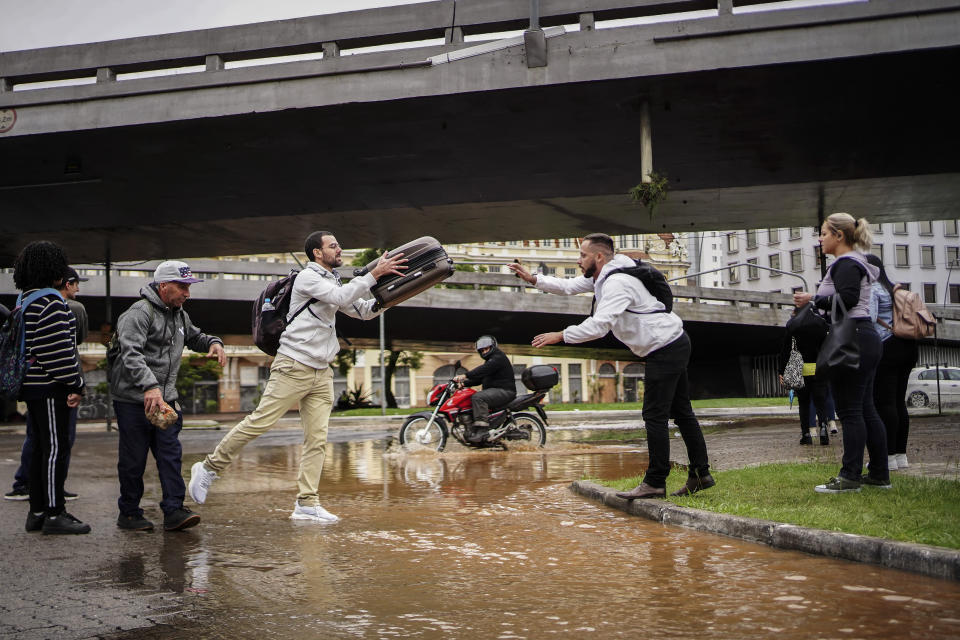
(151, 338)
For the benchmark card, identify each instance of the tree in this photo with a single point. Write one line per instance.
(366, 256)
(411, 359)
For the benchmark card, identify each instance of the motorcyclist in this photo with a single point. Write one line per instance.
(499, 387)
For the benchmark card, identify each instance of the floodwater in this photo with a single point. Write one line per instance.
(492, 544)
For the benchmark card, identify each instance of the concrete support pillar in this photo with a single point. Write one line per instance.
(106, 74)
(331, 50)
(646, 143)
(214, 62)
(587, 22)
(6, 84)
(453, 35)
(230, 386)
(725, 7)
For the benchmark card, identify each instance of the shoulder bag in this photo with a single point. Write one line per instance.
(841, 349)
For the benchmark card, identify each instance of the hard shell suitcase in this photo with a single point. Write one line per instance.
(540, 377)
(427, 264)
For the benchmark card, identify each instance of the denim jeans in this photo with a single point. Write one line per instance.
(137, 437)
(853, 393)
(666, 395)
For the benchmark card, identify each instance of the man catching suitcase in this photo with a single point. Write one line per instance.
(301, 371)
(641, 321)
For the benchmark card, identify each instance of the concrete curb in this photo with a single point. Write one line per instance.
(927, 560)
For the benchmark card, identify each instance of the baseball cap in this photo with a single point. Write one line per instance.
(73, 276)
(174, 271)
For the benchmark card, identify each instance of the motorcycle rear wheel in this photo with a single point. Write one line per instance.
(528, 423)
(413, 437)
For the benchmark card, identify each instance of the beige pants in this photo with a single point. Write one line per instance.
(290, 382)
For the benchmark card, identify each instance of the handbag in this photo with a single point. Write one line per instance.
(807, 323)
(841, 349)
(793, 371)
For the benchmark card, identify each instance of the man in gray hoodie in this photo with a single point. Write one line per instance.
(144, 363)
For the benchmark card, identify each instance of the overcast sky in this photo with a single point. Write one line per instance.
(30, 24)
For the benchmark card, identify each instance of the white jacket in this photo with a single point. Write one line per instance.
(311, 338)
(642, 331)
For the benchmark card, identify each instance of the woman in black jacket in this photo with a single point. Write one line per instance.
(813, 387)
(850, 277)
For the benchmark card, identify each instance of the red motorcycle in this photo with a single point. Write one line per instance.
(454, 414)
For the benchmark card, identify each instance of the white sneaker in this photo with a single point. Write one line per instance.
(833, 427)
(312, 512)
(892, 463)
(200, 481)
(902, 461)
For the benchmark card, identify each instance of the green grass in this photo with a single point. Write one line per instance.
(917, 509)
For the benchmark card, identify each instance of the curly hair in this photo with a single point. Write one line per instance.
(40, 264)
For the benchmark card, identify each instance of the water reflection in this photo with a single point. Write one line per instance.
(493, 545)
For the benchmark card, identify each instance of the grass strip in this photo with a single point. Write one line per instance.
(917, 509)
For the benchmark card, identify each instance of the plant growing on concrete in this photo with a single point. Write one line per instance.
(650, 194)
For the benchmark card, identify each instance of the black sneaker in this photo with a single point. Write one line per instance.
(17, 494)
(869, 481)
(63, 523)
(34, 521)
(134, 523)
(180, 519)
(69, 495)
(806, 439)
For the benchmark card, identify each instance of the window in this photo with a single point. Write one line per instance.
(929, 292)
(876, 228)
(570, 272)
(877, 250)
(906, 286)
(954, 294)
(949, 227)
(574, 382)
(925, 228)
(902, 255)
(752, 272)
(751, 239)
(796, 261)
(953, 254)
(795, 233)
(899, 227)
(817, 255)
(733, 243)
(926, 256)
(567, 243)
(733, 274)
(773, 236)
(635, 241)
(495, 268)
(774, 263)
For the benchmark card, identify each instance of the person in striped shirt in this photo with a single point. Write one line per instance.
(52, 386)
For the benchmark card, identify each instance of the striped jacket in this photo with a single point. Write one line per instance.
(50, 330)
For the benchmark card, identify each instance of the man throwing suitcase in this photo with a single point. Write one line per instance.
(638, 319)
(301, 371)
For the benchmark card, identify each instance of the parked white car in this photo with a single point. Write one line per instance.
(922, 386)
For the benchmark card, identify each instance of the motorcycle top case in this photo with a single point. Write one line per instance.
(540, 377)
(427, 264)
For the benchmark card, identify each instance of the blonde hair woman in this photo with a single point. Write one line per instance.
(850, 277)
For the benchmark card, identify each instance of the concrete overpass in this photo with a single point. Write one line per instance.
(762, 118)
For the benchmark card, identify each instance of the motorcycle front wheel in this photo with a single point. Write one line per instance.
(530, 427)
(415, 435)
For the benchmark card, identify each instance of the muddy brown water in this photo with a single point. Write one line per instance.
(493, 545)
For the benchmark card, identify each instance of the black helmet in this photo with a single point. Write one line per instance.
(484, 342)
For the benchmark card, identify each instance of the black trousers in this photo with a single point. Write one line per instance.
(817, 389)
(890, 390)
(137, 437)
(666, 395)
(484, 401)
(51, 453)
(853, 393)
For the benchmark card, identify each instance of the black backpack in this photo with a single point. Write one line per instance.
(653, 280)
(270, 313)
